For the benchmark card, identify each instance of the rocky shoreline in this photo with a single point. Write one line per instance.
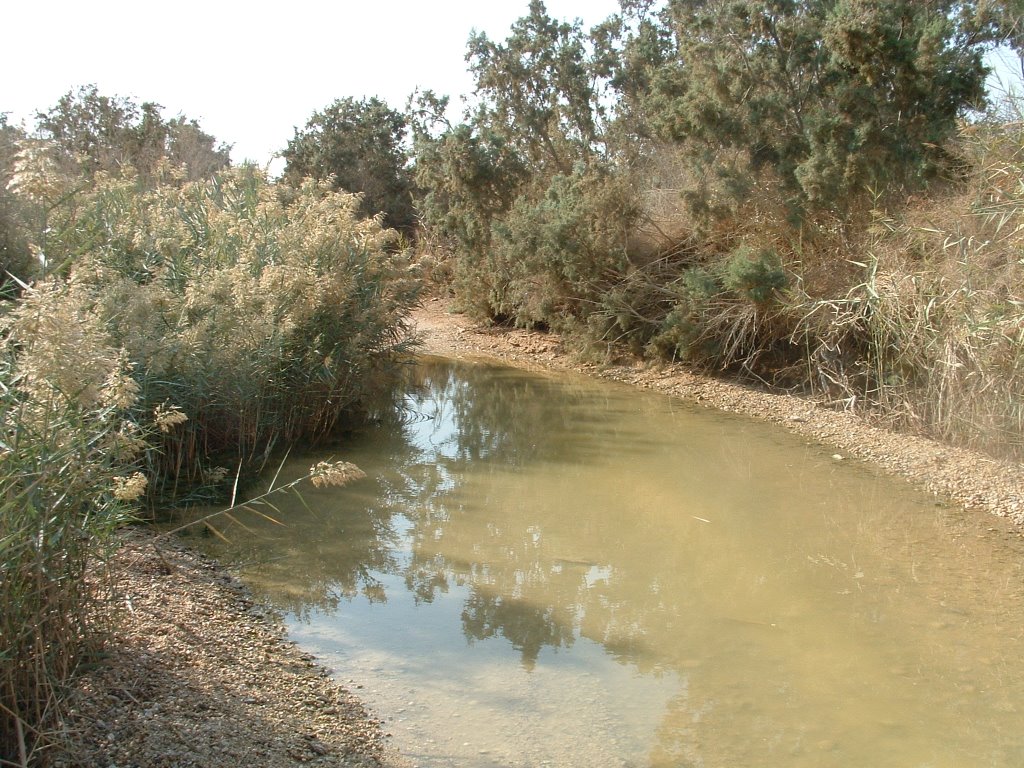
(959, 477)
(197, 674)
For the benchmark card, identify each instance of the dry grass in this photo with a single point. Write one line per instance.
(58, 507)
(913, 313)
(258, 323)
(182, 329)
(932, 336)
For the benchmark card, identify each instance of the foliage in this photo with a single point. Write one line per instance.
(630, 49)
(835, 97)
(359, 146)
(469, 178)
(721, 315)
(87, 132)
(536, 91)
(757, 277)
(84, 138)
(15, 258)
(1001, 20)
(179, 330)
(261, 322)
(930, 335)
(68, 440)
(523, 193)
(915, 319)
(552, 258)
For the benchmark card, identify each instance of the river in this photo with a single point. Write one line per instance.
(550, 570)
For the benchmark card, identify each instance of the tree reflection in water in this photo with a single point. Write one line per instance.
(399, 520)
(551, 519)
(519, 588)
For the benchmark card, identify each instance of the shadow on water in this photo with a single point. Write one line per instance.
(758, 603)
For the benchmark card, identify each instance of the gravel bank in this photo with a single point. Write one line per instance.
(197, 674)
(960, 477)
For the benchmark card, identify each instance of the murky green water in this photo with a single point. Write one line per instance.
(556, 571)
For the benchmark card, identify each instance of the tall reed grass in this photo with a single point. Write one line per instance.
(249, 322)
(931, 337)
(65, 486)
(184, 331)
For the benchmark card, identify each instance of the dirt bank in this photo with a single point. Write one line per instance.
(197, 674)
(960, 477)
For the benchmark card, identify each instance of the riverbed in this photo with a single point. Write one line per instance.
(551, 570)
(986, 494)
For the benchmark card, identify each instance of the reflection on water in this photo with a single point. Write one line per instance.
(555, 571)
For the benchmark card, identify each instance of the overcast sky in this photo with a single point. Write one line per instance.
(250, 72)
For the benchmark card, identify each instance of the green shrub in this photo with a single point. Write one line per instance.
(683, 333)
(556, 251)
(358, 146)
(758, 277)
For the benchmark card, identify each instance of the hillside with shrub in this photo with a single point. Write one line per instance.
(816, 196)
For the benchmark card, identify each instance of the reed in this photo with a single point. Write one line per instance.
(62, 494)
(930, 336)
(182, 328)
(251, 322)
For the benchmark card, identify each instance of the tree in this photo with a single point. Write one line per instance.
(468, 179)
(630, 48)
(89, 132)
(1002, 20)
(360, 145)
(537, 90)
(835, 97)
(190, 147)
(526, 192)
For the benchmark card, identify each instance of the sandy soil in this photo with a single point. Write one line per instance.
(197, 674)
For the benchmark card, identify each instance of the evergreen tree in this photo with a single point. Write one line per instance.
(839, 98)
(87, 132)
(361, 146)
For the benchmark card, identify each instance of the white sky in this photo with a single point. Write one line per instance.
(250, 72)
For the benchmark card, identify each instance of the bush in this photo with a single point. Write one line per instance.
(555, 252)
(359, 146)
(67, 447)
(261, 323)
(756, 277)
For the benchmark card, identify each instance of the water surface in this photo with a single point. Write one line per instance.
(555, 571)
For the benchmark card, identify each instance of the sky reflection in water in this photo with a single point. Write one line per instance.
(551, 570)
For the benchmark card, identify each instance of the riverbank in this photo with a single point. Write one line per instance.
(197, 674)
(961, 478)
